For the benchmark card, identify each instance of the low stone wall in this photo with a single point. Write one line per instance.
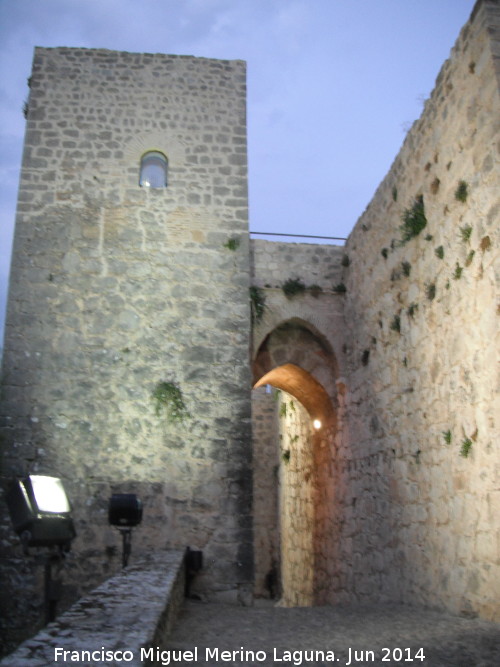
(123, 621)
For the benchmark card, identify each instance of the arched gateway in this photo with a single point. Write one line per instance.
(294, 416)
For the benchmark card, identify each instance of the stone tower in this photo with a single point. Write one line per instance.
(130, 284)
(126, 283)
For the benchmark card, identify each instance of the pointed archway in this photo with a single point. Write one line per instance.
(293, 436)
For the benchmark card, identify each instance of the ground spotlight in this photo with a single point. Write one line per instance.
(40, 514)
(125, 512)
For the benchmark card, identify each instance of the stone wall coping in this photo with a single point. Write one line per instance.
(128, 612)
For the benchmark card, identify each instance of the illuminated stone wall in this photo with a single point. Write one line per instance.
(420, 446)
(297, 506)
(298, 349)
(413, 467)
(116, 288)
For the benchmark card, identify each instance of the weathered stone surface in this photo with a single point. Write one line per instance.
(130, 612)
(116, 288)
(415, 340)
(433, 376)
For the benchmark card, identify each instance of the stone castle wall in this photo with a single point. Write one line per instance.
(116, 288)
(293, 463)
(413, 465)
(420, 443)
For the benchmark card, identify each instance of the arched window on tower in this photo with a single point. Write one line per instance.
(154, 167)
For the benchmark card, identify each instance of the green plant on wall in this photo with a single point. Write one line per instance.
(293, 286)
(469, 258)
(457, 274)
(430, 291)
(232, 244)
(465, 233)
(412, 309)
(283, 410)
(462, 192)
(168, 396)
(396, 324)
(340, 288)
(439, 252)
(414, 220)
(258, 303)
(466, 447)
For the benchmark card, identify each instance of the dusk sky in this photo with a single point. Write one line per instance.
(333, 86)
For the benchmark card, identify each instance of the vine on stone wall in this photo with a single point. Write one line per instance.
(258, 303)
(293, 286)
(168, 396)
(232, 244)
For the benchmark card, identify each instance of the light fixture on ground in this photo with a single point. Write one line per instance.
(125, 512)
(40, 512)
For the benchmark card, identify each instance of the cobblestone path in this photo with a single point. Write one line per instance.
(347, 636)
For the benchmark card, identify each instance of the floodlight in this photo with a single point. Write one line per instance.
(125, 512)
(40, 512)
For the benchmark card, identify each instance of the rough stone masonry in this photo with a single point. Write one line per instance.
(119, 290)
